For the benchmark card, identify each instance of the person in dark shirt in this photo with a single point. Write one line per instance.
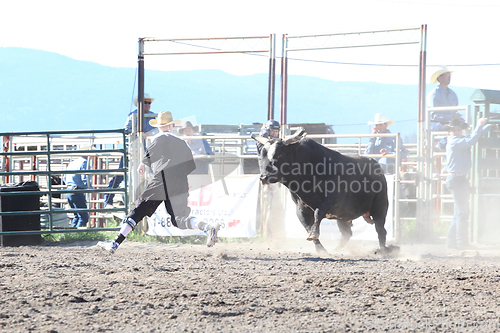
(171, 160)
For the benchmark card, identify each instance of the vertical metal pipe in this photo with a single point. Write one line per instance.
(6, 159)
(421, 191)
(284, 79)
(421, 67)
(21, 167)
(126, 180)
(140, 88)
(272, 76)
(474, 176)
(93, 195)
(33, 167)
(49, 182)
(397, 183)
(429, 184)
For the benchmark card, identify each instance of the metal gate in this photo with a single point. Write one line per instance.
(44, 156)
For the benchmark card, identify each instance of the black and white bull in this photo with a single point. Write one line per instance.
(326, 184)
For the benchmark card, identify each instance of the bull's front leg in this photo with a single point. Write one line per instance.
(319, 247)
(314, 231)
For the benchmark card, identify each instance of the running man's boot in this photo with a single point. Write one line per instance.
(110, 246)
(211, 233)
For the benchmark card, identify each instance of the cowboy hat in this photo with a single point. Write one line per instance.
(164, 118)
(455, 123)
(442, 70)
(146, 96)
(187, 124)
(381, 119)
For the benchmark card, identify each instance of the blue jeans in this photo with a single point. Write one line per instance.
(77, 200)
(114, 183)
(458, 234)
(387, 164)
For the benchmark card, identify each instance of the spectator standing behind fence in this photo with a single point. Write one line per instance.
(78, 181)
(171, 160)
(198, 147)
(458, 164)
(148, 129)
(442, 95)
(384, 145)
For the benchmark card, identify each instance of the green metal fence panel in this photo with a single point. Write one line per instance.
(40, 156)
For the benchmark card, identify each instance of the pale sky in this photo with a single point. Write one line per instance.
(460, 33)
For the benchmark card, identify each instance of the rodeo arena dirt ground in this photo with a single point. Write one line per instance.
(247, 287)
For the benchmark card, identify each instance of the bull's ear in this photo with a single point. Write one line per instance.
(260, 139)
(301, 132)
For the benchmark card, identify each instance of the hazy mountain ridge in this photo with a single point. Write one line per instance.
(43, 91)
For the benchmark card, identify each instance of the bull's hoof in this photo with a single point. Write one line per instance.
(320, 249)
(338, 249)
(388, 250)
(312, 237)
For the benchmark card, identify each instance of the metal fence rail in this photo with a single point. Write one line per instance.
(43, 156)
(234, 152)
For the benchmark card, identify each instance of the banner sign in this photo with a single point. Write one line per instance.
(329, 229)
(231, 201)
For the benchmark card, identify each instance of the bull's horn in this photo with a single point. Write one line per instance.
(297, 136)
(259, 139)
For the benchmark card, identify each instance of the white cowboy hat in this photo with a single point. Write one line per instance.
(146, 96)
(442, 70)
(164, 118)
(381, 119)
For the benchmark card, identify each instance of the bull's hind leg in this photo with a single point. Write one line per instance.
(346, 231)
(379, 218)
(381, 232)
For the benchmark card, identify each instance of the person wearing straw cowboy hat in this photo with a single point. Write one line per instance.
(458, 165)
(171, 160)
(148, 130)
(442, 95)
(198, 147)
(384, 145)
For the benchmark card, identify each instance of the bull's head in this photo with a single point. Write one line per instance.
(275, 157)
